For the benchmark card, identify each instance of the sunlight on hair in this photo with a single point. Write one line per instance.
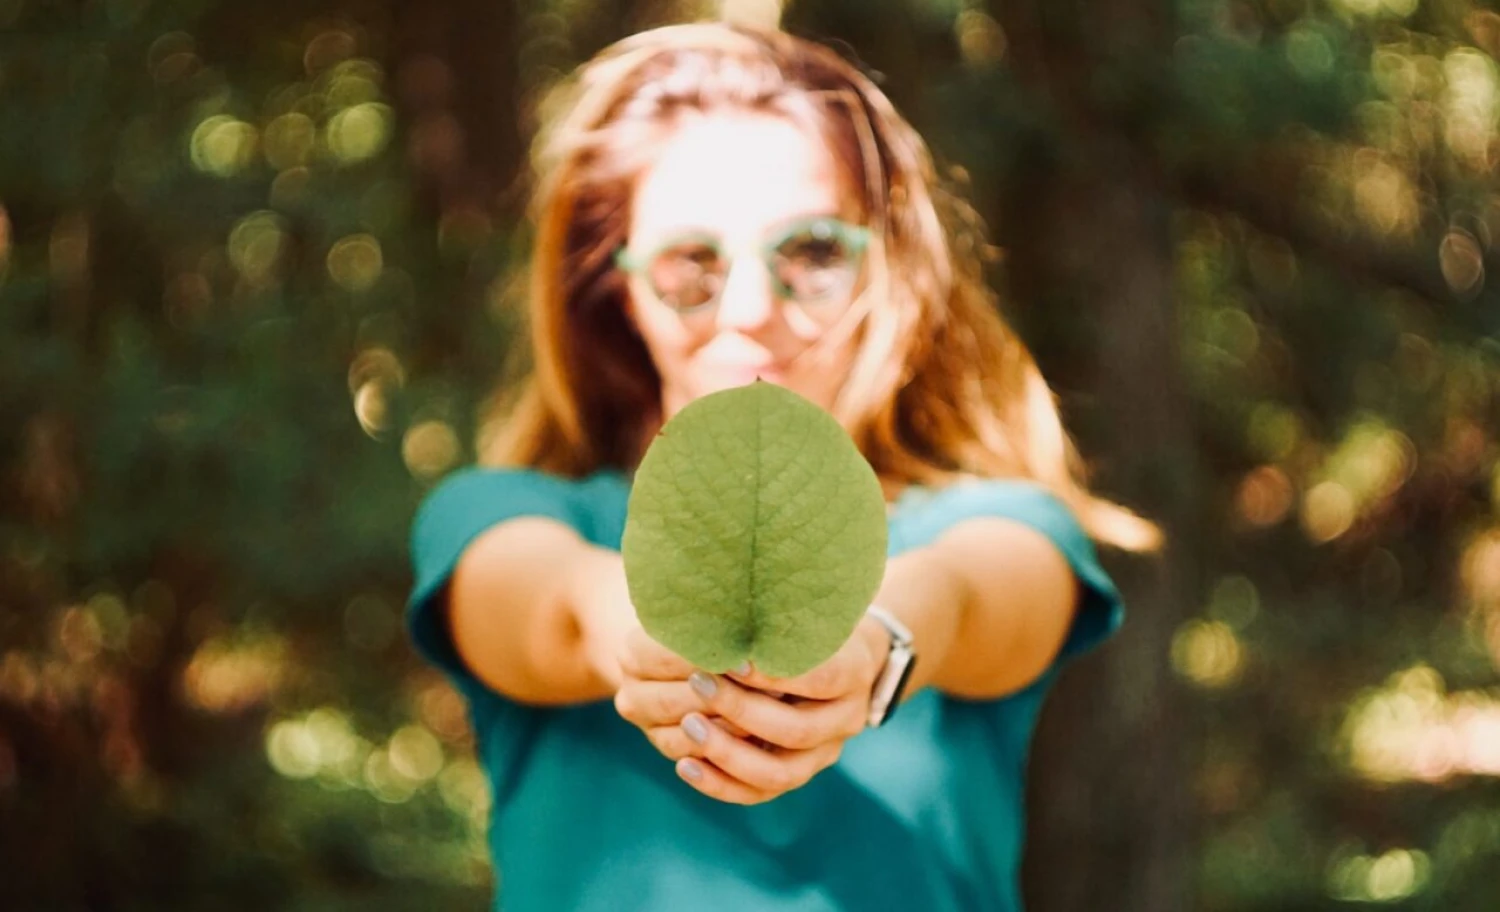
(758, 13)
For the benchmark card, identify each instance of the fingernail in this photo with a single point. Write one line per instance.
(703, 684)
(690, 770)
(696, 728)
(743, 670)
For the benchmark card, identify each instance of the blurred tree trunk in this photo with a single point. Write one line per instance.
(458, 86)
(458, 82)
(1086, 226)
(1112, 797)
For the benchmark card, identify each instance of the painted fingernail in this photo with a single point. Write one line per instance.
(743, 670)
(703, 684)
(690, 770)
(696, 728)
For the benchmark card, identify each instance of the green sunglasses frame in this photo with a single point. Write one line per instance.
(855, 237)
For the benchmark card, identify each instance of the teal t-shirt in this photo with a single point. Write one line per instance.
(924, 813)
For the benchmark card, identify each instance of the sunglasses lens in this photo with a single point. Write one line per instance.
(816, 263)
(686, 275)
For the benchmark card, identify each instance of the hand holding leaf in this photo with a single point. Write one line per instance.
(756, 531)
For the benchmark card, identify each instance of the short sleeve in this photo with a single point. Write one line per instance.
(1100, 609)
(459, 510)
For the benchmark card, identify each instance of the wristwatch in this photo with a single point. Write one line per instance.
(891, 683)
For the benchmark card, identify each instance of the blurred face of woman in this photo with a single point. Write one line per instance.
(739, 262)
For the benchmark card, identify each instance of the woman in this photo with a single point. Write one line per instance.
(718, 204)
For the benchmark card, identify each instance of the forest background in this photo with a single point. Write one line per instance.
(258, 274)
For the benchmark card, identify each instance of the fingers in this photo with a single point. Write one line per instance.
(799, 726)
(650, 704)
(715, 784)
(851, 670)
(735, 770)
(642, 657)
(647, 704)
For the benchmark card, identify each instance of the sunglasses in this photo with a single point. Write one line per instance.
(810, 261)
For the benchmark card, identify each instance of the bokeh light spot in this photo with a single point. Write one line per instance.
(415, 753)
(1392, 876)
(1207, 653)
(256, 244)
(1274, 431)
(384, 782)
(1462, 262)
(360, 133)
(981, 41)
(372, 409)
(1235, 601)
(290, 140)
(292, 750)
(224, 676)
(223, 146)
(327, 49)
(355, 262)
(430, 448)
(354, 82)
(464, 789)
(4, 241)
(1309, 52)
(1265, 496)
(1327, 511)
(79, 634)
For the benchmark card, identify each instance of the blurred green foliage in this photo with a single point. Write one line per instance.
(255, 264)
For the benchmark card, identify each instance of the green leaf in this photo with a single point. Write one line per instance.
(756, 530)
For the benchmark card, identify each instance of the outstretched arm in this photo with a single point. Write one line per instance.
(537, 612)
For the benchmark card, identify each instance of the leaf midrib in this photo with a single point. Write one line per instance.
(756, 614)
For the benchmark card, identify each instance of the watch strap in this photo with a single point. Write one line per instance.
(885, 695)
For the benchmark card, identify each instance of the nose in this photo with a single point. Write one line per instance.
(747, 301)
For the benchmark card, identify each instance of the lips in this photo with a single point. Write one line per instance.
(740, 374)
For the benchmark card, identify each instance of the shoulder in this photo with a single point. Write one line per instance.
(473, 499)
(932, 511)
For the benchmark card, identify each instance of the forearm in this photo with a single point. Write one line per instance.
(1010, 598)
(928, 596)
(598, 603)
(512, 608)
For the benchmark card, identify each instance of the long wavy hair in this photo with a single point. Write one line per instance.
(941, 388)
